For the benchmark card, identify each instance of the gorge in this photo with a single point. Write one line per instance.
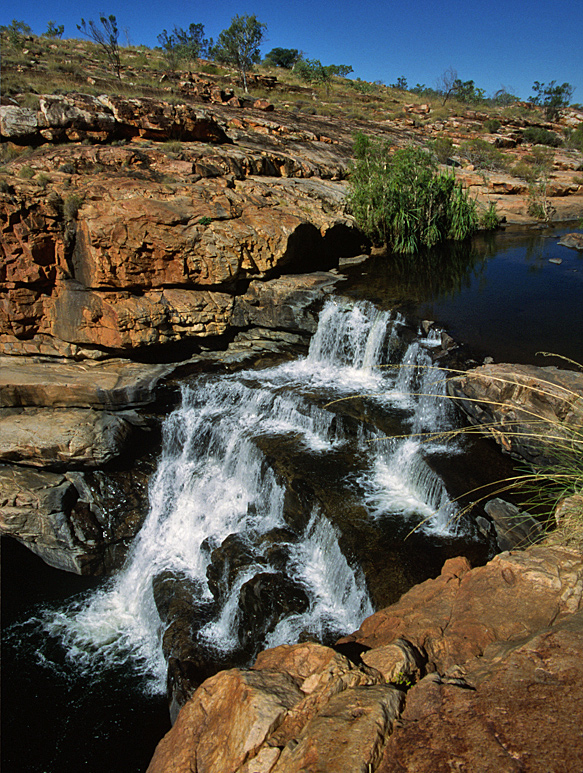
(205, 397)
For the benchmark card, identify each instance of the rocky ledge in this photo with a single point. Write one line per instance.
(478, 669)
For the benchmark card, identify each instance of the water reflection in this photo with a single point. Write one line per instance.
(498, 292)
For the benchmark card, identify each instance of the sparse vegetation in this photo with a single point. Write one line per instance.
(483, 155)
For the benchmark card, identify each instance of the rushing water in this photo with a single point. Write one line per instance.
(213, 481)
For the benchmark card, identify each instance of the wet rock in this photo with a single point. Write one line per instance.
(42, 510)
(521, 406)
(575, 241)
(234, 555)
(514, 528)
(264, 600)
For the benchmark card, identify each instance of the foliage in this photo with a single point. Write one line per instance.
(503, 98)
(551, 97)
(492, 125)
(490, 220)
(466, 91)
(26, 172)
(364, 87)
(443, 148)
(106, 36)
(539, 136)
(283, 57)
(53, 31)
(424, 91)
(483, 155)
(401, 84)
(402, 201)
(575, 138)
(16, 30)
(313, 71)
(238, 45)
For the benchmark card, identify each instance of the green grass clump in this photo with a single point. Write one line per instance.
(538, 136)
(401, 200)
(483, 155)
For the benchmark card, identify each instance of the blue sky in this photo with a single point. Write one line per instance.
(495, 43)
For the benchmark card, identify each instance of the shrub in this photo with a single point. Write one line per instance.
(539, 136)
(483, 155)
(490, 220)
(492, 126)
(26, 172)
(551, 98)
(443, 148)
(402, 201)
(71, 206)
(575, 138)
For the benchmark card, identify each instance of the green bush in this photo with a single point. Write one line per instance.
(483, 155)
(401, 200)
(539, 136)
(575, 138)
(492, 126)
(443, 148)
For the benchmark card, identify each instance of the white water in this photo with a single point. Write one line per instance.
(213, 481)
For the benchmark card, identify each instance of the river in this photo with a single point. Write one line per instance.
(289, 502)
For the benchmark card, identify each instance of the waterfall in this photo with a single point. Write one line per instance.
(215, 480)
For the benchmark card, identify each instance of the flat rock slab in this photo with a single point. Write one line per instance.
(114, 384)
(62, 437)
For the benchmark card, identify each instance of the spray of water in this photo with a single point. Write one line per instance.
(213, 481)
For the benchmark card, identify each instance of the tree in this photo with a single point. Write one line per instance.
(313, 71)
(551, 98)
(446, 83)
(238, 45)
(401, 84)
(283, 57)
(53, 31)
(106, 38)
(16, 30)
(192, 43)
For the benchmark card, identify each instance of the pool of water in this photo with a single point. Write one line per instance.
(502, 294)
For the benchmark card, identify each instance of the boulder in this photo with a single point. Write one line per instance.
(63, 438)
(452, 618)
(514, 528)
(575, 241)
(528, 410)
(521, 714)
(115, 384)
(18, 123)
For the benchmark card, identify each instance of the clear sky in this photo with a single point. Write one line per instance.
(496, 43)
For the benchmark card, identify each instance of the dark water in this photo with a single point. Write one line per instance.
(499, 294)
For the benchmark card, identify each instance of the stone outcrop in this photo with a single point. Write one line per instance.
(458, 674)
(528, 410)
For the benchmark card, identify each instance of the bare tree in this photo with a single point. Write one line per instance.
(106, 37)
(447, 83)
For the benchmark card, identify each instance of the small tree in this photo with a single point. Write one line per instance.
(16, 30)
(53, 31)
(238, 45)
(192, 43)
(551, 97)
(283, 57)
(106, 38)
(313, 71)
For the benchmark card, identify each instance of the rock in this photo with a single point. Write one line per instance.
(115, 384)
(523, 714)
(226, 722)
(520, 405)
(74, 117)
(398, 662)
(287, 303)
(514, 528)
(574, 240)
(452, 619)
(63, 438)
(18, 123)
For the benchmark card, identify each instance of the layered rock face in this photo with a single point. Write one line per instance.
(218, 242)
(462, 673)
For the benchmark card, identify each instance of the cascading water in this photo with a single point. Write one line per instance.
(215, 480)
